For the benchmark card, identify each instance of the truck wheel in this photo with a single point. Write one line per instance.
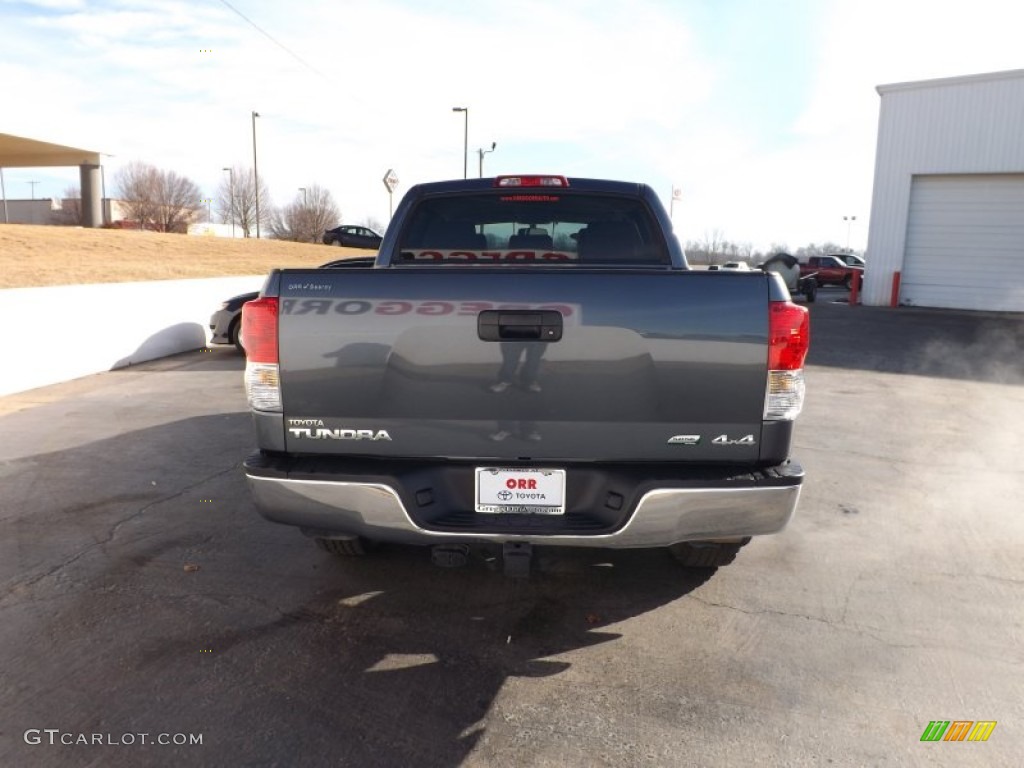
(355, 547)
(847, 282)
(811, 291)
(705, 554)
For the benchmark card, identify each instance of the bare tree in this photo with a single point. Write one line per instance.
(305, 219)
(163, 200)
(818, 250)
(70, 213)
(179, 202)
(236, 201)
(714, 246)
(136, 183)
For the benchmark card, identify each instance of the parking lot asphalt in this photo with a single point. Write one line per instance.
(140, 592)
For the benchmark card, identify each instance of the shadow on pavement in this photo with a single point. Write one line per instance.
(218, 357)
(167, 341)
(951, 344)
(159, 601)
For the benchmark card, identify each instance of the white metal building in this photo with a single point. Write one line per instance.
(947, 210)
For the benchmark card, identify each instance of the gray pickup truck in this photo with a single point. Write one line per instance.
(528, 361)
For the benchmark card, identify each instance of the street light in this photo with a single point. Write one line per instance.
(465, 139)
(231, 188)
(255, 173)
(849, 223)
(483, 152)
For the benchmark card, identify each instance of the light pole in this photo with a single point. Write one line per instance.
(483, 152)
(231, 191)
(255, 173)
(465, 139)
(849, 223)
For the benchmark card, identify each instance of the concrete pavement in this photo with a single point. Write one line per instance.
(140, 593)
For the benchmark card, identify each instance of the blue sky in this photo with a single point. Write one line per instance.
(763, 114)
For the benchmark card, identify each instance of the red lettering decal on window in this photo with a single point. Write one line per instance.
(474, 307)
(435, 308)
(393, 307)
(564, 309)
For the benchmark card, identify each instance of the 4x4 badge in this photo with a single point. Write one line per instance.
(724, 440)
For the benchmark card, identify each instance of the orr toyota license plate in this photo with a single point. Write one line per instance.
(520, 491)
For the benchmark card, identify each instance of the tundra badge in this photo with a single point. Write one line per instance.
(684, 440)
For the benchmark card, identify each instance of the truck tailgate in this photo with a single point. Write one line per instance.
(651, 365)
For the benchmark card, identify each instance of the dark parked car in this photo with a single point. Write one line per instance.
(226, 322)
(352, 237)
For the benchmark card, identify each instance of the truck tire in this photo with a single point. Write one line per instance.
(811, 290)
(847, 282)
(355, 547)
(705, 554)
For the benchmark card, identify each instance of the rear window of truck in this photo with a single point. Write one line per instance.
(529, 226)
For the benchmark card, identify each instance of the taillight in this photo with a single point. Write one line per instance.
(259, 330)
(259, 337)
(789, 338)
(531, 181)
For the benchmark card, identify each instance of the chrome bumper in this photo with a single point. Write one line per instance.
(661, 518)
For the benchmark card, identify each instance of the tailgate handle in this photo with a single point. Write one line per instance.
(519, 325)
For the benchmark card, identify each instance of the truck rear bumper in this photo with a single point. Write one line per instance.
(750, 504)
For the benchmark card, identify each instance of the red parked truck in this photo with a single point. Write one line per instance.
(830, 270)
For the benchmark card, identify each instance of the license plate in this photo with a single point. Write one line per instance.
(520, 491)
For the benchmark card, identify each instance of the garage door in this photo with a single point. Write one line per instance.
(965, 243)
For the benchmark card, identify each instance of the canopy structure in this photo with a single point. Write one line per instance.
(22, 152)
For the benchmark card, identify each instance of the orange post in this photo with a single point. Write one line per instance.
(855, 289)
(894, 298)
